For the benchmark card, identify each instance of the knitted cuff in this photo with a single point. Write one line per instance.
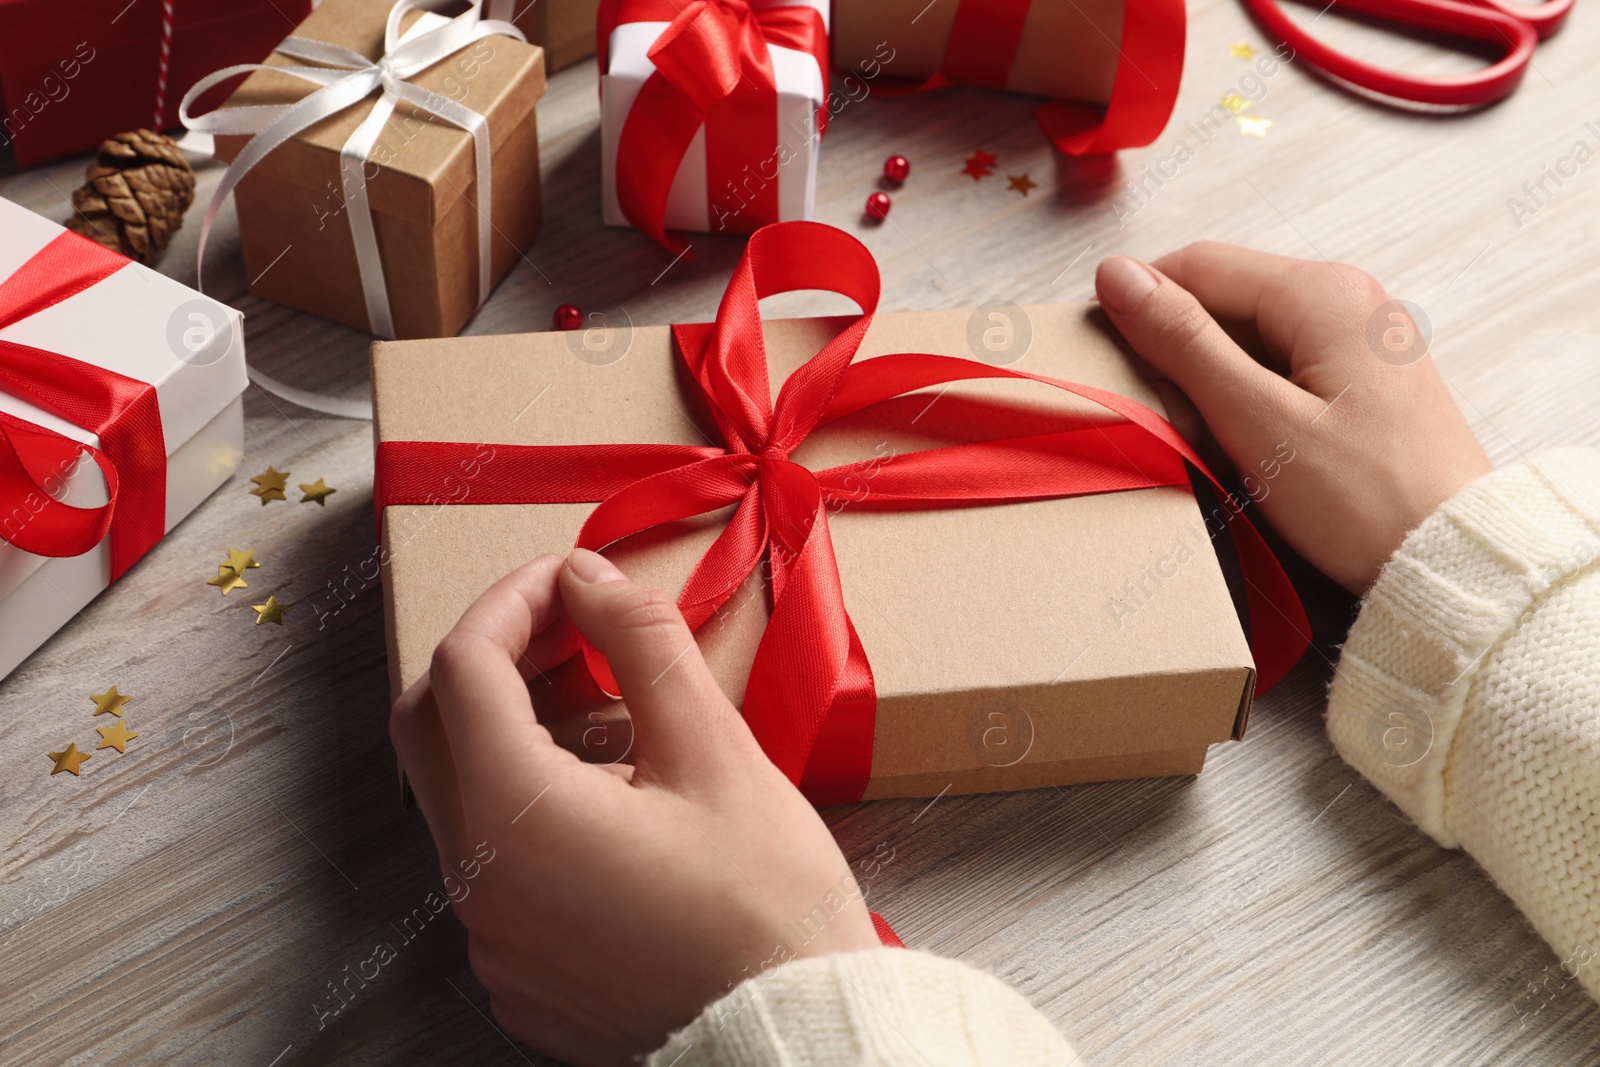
(877, 1008)
(1454, 589)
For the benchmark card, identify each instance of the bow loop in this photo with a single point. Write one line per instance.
(842, 265)
(711, 47)
(122, 412)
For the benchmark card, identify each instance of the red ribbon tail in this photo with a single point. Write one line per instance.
(885, 932)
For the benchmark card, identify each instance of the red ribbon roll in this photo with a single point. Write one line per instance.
(713, 68)
(983, 45)
(121, 411)
(810, 699)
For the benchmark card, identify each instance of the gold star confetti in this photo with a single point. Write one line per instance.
(69, 760)
(1241, 50)
(1252, 125)
(317, 491)
(272, 611)
(116, 737)
(1234, 102)
(109, 703)
(980, 164)
(270, 485)
(239, 562)
(227, 580)
(1022, 183)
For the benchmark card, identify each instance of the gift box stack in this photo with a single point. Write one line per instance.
(940, 565)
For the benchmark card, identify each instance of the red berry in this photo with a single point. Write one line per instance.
(568, 317)
(897, 169)
(878, 206)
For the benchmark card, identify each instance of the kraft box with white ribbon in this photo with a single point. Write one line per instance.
(385, 163)
(683, 150)
(120, 412)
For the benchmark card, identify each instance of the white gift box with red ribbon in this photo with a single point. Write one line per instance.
(145, 326)
(802, 90)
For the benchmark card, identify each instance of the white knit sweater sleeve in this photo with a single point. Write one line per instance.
(886, 1007)
(1469, 689)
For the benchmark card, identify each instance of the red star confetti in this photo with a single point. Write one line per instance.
(980, 164)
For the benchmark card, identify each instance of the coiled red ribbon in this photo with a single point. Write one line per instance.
(810, 699)
(121, 411)
(983, 44)
(713, 68)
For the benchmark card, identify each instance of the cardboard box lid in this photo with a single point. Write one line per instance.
(432, 161)
(138, 323)
(1016, 596)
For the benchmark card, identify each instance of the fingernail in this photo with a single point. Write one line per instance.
(1123, 283)
(592, 567)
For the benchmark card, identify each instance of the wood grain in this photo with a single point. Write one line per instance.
(191, 901)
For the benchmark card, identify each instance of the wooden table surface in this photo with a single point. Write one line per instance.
(191, 901)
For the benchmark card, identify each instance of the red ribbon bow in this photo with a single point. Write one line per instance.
(810, 699)
(713, 68)
(121, 411)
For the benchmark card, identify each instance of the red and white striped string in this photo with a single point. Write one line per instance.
(166, 64)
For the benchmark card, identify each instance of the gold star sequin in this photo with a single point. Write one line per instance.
(239, 562)
(227, 580)
(317, 491)
(270, 485)
(1021, 183)
(116, 736)
(1252, 125)
(1241, 50)
(272, 611)
(69, 760)
(109, 703)
(1234, 102)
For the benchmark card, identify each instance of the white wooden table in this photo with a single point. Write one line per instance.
(191, 901)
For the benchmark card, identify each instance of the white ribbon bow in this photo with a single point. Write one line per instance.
(346, 77)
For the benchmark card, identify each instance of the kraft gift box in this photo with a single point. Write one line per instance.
(563, 28)
(296, 238)
(1067, 51)
(1012, 645)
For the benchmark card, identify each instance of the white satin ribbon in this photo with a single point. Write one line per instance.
(344, 78)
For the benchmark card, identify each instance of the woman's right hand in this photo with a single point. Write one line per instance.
(1348, 439)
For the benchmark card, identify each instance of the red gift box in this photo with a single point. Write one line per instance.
(72, 75)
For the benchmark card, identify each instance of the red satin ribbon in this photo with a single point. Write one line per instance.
(713, 68)
(810, 699)
(983, 45)
(121, 411)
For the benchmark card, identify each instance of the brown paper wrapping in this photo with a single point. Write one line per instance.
(296, 239)
(1068, 51)
(563, 28)
(1001, 657)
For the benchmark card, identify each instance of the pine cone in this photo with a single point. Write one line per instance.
(135, 195)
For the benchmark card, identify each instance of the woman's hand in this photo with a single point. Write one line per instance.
(617, 901)
(1375, 441)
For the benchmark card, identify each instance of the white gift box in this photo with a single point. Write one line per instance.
(146, 326)
(802, 88)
